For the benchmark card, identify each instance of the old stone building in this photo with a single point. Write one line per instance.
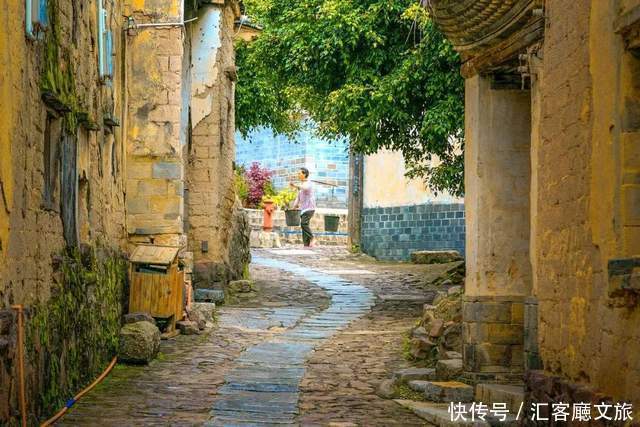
(552, 194)
(117, 129)
(180, 127)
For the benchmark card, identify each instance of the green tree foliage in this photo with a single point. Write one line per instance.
(375, 71)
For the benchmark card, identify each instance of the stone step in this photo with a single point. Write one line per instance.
(449, 391)
(512, 395)
(438, 414)
(413, 374)
(209, 295)
(417, 385)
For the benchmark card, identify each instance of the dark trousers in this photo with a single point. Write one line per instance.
(307, 235)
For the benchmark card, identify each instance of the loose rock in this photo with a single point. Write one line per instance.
(138, 317)
(454, 290)
(385, 389)
(187, 327)
(452, 337)
(451, 355)
(139, 342)
(240, 286)
(448, 369)
(437, 327)
(206, 311)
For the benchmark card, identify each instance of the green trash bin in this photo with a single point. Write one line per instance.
(331, 223)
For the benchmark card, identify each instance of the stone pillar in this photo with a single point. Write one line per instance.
(497, 179)
(155, 177)
(212, 148)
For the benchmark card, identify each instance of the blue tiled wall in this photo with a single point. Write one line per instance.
(327, 160)
(393, 233)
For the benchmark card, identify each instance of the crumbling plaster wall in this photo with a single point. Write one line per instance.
(585, 336)
(212, 150)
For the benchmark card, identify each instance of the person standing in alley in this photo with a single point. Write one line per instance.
(306, 202)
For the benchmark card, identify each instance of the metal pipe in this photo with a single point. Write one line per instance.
(77, 397)
(165, 24)
(23, 401)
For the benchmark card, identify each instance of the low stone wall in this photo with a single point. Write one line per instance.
(392, 233)
(293, 235)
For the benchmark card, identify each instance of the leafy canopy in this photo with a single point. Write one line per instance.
(375, 71)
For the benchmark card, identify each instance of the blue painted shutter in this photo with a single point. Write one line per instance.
(43, 16)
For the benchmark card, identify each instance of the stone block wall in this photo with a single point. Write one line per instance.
(588, 338)
(293, 235)
(155, 175)
(392, 233)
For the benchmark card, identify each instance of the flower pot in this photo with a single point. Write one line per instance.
(331, 222)
(292, 217)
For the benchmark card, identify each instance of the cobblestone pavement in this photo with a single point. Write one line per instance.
(308, 348)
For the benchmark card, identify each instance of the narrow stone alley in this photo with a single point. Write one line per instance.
(322, 329)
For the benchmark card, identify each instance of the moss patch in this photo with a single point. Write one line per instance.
(58, 72)
(402, 391)
(73, 336)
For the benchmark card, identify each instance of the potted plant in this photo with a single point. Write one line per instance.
(285, 199)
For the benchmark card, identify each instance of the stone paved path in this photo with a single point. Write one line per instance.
(264, 386)
(308, 348)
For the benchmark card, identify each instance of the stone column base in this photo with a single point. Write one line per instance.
(493, 338)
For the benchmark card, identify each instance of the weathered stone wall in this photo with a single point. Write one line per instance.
(65, 62)
(154, 150)
(293, 235)
(585, 207)
(211, 150)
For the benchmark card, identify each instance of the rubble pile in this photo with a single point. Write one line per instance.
(438, 336)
